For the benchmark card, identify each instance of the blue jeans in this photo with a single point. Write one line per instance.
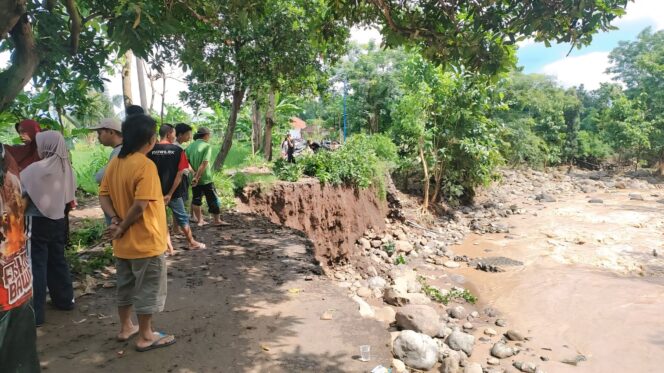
(179, 212)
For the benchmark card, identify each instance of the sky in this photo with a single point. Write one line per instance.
(585, 66)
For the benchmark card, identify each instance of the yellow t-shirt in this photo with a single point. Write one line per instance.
(128, 179)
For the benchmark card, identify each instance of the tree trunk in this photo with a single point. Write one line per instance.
(24, 62)
(425, 168)
(255, 127)
(141, 84)
(438, 181)
(126, 80)
(269, 123)
(10, 12)
(238, 96)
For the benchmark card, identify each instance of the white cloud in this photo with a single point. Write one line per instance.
(587, 69)
(526, 42)
(644, 11)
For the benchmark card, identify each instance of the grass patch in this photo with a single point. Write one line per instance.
(87, 233)
(444, 298)
(86, 161)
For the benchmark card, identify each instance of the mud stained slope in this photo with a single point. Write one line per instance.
(332, 217)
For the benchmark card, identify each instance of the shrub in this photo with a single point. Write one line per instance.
(288, 171)
(362, 162)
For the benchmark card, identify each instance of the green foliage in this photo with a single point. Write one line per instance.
(226, 190)
(400, 260)
(444, 298)
(356, 164)
(389, 248)
(288, 171)
(444, 122)
(86, 162)
(88, 233)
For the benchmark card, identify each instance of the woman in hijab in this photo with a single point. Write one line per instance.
(49, 185)
(25, 154)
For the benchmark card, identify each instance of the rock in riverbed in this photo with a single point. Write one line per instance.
(457, 312)
(514, 335)
(422, 319)
(417, 350)
(460, 341)
(525, 367)
(502, 351)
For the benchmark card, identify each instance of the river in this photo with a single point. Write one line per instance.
(591, 283)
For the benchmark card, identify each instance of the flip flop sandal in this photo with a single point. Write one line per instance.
(156, 343)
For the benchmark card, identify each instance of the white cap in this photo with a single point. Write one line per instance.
(109, 123)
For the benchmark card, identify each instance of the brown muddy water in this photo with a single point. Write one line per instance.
(590, 283)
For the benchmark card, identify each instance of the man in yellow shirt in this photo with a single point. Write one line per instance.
(130, 193)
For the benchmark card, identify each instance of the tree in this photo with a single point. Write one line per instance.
(258, 44)
(372, 83)
(444, 118)
(640, 66)
(63, 46)
(479, 35)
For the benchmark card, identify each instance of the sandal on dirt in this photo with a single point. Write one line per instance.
(155, 344)
(200, 246)
(128, 338)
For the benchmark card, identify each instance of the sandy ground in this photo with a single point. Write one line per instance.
(251, 302)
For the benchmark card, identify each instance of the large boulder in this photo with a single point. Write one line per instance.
(422, 319)
(460, 341)
(396, 298)
(417, 350)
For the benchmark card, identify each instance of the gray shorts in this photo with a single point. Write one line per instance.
(142, 283)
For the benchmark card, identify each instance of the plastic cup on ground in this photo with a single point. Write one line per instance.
(365, 353)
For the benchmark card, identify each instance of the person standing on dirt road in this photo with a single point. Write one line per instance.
(182, 136)
(171, 164)
(18, 335)
(109, 133)
(199, 154)
(48, 187)
(131, 194)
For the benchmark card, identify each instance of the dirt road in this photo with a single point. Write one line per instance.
(252, 302)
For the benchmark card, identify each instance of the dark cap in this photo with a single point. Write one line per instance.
(202, 131)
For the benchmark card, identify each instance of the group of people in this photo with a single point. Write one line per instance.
(143, 177)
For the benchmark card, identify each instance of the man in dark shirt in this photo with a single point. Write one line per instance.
(171, 164)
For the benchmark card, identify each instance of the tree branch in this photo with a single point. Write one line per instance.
(10, 12)
(25, 60)
(76, 24)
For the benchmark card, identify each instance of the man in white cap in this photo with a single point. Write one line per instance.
(109, 133)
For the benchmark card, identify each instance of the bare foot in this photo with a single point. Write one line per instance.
(221, 223)
(124, 335)
(202, 223)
